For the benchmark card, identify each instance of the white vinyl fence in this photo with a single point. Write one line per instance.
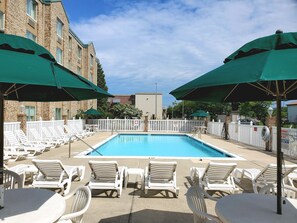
(248, 134)
(138, 125)
(173, 125)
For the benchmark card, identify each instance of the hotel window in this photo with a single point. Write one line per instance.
(31, 8)
(79, 52)
(30, 113)
(78, 70)
(59, 56)
(58, 113)
(70, 43)
(91, 77)
(91, 60)
(1, 20)
(30, 36)
(59, 28)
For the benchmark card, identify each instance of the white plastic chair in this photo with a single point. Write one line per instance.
(195, 199)
(11, 180)
(287, 191)
(161, 176)
(82, 199)
(37, 137)
(53, 174)
(216, 176)
(261, 178)
(106, 175)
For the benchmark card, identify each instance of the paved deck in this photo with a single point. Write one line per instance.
(133, 206)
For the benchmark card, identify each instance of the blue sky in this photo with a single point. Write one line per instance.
(170, 42)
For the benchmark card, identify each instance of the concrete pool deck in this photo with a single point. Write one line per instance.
(156, 207)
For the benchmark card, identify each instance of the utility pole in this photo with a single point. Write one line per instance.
(156, 103)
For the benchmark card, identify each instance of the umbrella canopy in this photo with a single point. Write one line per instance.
(262, 70)
(28, 72)
(199, 113)
(92, 111)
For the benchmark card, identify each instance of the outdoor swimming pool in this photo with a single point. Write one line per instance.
(156, 145)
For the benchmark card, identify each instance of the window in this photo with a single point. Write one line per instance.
(91, 60)
(78, 70)
(70, 43)
(1, 20)
(31, 8)
(59, 28)
(58, 113)
(30, 113)
(91, 77)
(79, 52)
(59, 56)
(30, 36)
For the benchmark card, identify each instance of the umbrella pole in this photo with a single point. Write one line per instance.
(1, 150)
(279, 155)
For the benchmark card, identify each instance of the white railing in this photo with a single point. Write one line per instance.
(137, 125)
(77, 124)
(173, 125)
(288, 141)
(215, 128)
(116, 125)
(38, 126)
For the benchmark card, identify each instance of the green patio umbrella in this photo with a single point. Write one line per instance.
(28, 72)
(262, 70)
(199, 113)
(93, 112)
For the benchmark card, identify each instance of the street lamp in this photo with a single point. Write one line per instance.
(270, 111)
(173, 104)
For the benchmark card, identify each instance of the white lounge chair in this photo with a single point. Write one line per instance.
(25, 141)
(37, 137)
(195, 199)
(72, 131)
(106, 175)
(56, 135)
(215, 177)
(83, 131)
(161, 176)
(261, 178)
(81, 202)
(48, 135)
(13, 142)
(15, 154)
(53, 174)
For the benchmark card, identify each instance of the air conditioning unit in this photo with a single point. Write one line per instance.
(31, 22)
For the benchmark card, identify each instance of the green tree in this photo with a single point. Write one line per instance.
(187, 108)
(255, 109)
(125, 111)
(102, 103)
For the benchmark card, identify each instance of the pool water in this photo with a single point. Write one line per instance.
(157, 145)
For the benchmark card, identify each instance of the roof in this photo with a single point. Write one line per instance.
(292, 103)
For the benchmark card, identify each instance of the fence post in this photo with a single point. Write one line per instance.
(251, 133)
(238, 132)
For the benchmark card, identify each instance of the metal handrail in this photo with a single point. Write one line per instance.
(70, 140)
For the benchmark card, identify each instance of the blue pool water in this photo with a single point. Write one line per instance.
(157, 145)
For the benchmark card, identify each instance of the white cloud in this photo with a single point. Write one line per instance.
(172, 43)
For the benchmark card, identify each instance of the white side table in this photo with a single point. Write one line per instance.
(135, 171)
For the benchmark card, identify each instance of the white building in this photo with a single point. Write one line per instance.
(292, 112)
(151, 104)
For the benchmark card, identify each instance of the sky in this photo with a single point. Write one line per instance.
(159, 45)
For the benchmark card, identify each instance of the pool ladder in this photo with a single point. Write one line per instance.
(71, 139)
